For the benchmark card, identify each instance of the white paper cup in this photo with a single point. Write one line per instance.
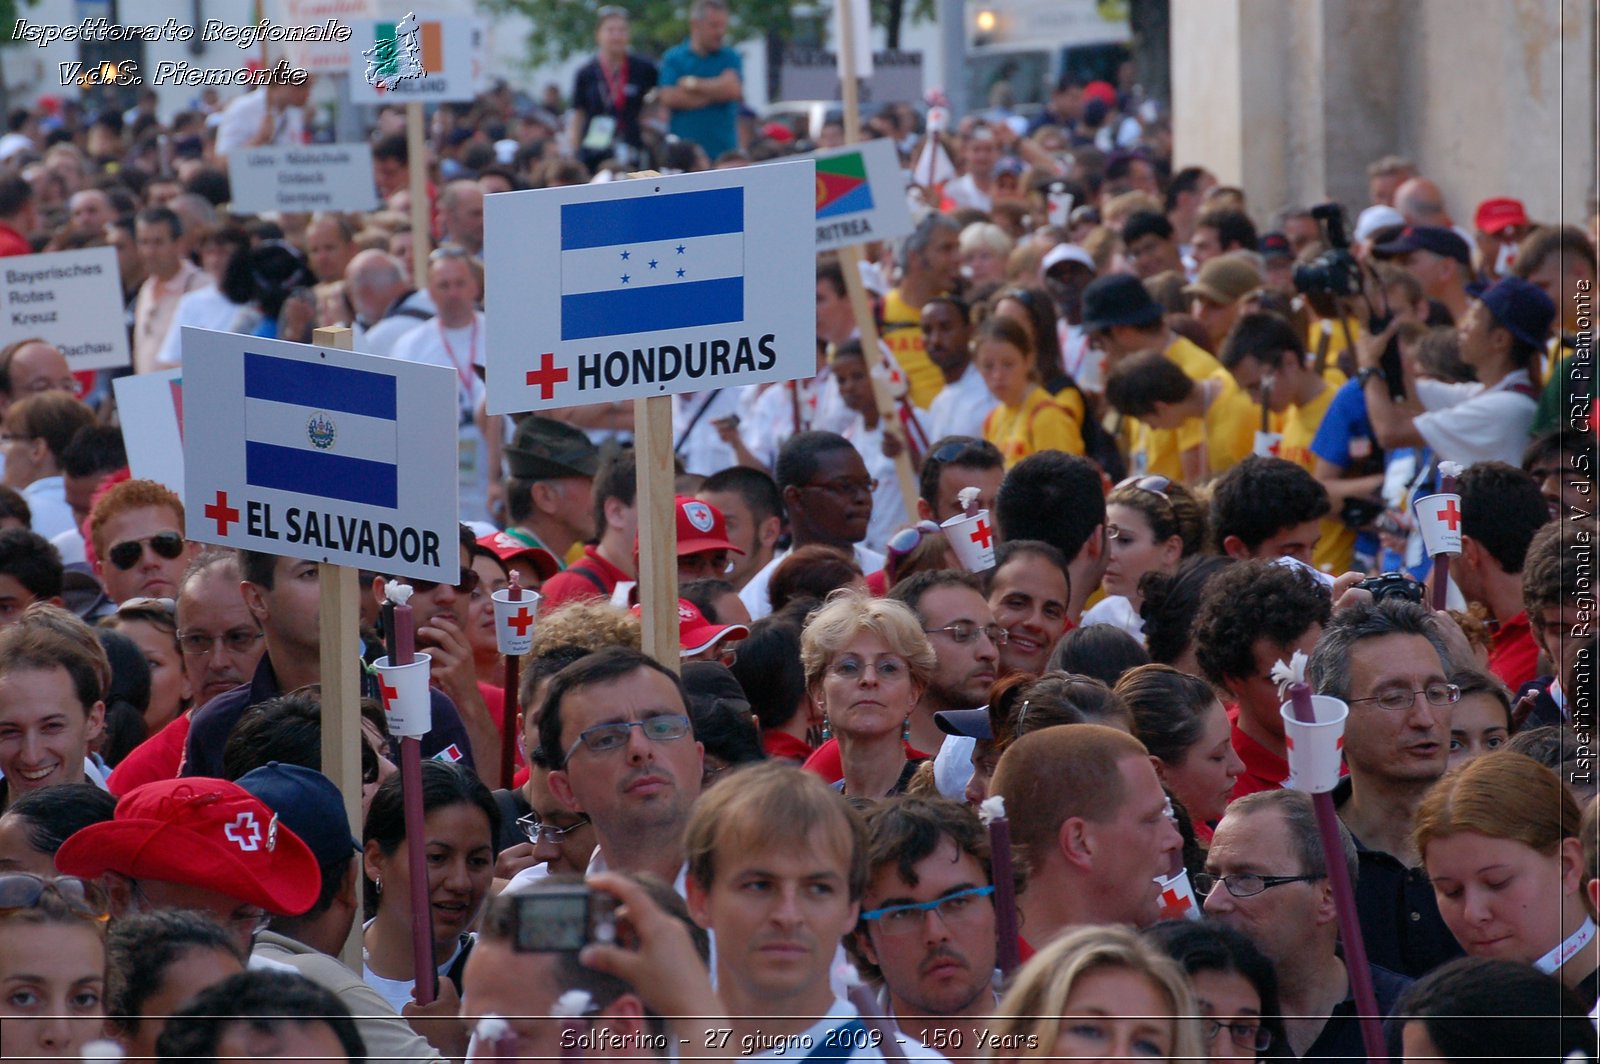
(1315, 750)
(972, 538)
(1439, 521)
(1177, 897)
(404, 691)
(514, 621)
(1267, 444)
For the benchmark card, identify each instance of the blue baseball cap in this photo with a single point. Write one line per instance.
(308, 803)
(1521, 308)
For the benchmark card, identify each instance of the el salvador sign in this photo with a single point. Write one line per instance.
(650, 286)
(861, 195)
(311, 452)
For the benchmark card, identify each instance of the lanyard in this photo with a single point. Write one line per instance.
(1551, 962)
(619, 87)
(464, 375)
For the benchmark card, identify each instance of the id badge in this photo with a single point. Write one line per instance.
(602, 131)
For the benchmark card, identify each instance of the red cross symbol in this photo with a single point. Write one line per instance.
(547, 376)
(389, 694)
(983, 534)
(223, 514)
(1450, 515)
(520, 621)
(1174, 904)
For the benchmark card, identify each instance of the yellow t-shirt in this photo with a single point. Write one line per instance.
(1162, 449)
(902, 331)
(1336, 548)
(1231, 424)
(1039, 424)
(1334, 332)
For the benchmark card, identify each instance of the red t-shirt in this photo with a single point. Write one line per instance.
(1263, 769)
(826, 763)
(785, 747)
(157, 758)
(1513, 655)
(572, 585)
(13, 242)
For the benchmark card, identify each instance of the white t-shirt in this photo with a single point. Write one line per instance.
(960, 407)
(1469, 423)
(205, 308)
(381, 338)
(1118, 612)
(241, 118)
(964, 192)
(397, 992)
(754, 594)
(701, 447)
(47, 502)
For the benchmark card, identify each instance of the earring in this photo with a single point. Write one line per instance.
(377, 884)
(827, 729)
(905, 731)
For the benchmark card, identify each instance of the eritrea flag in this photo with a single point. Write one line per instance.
(842, 185)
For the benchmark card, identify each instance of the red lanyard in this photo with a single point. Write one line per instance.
(619, 87)
(465, 375)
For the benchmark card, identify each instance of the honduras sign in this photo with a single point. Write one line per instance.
(321, 454)
(861, 195)
(659, 285)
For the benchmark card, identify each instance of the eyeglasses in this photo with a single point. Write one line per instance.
(1155, 484)
(967, 448)
(126, 555)
(20, 891)
(468, 583)
(1244, 1035)
(199, 645)
(146, 603)
(957, 907)
(905, 541)
(1246, 884)
(604, 738)
(1437, 694)
(847, 489)
(963, 632)
(888, 669)
(538, 831)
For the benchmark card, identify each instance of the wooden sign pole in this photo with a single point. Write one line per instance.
(341, 681)
(850, 261)
(421, 222)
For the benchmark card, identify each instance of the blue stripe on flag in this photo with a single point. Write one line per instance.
(329, 476)
(653, 309)
(599, 224)
(286, 380)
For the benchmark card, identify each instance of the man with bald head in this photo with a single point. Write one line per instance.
(1419, 200)
(89, 211)
(386, 306)
(330, 245)
(29, 367)
(461, 216)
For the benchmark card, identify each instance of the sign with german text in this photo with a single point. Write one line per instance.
(650, 286)
(311, 452)
(303, 178)
(73, 299)
(861, 195)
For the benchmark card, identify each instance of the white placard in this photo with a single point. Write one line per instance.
(439, 59)
(73, 299)
(861, 195)
(860, 34)
(651, 286)
(312, 177)
(311, 452)
(813, 74)
(150, 408)
(322, 57)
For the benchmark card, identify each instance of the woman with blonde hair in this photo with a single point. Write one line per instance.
(985, 250)
(1499, 840)
(867, 662)
(1099, 993)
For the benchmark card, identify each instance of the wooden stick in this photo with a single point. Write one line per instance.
(421, 222)
(341, 680)
(658, 529)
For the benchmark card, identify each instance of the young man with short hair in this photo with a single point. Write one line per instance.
(1502, 509)
(1560, 610)
(959, 623)
(53, 675)
(1058, 499)
(951, 464)
(1268, 508)
(30, 571)
(609, 560)
(1150, 387)
(962, 404)
(752, 508)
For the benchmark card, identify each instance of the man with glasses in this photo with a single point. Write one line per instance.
(961, 627)
(616, 734)
(136, 530)
(1267, 877)
(828, 496)
(927, 921)
(1391, 663)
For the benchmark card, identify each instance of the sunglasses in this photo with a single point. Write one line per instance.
(967, 448)
(126, 555)
(21, 891)
(1155, 484)
(466, 585)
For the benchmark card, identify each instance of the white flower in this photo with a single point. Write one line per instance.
(991, 809)
(101, 1049)
(967, 496)
(492, 1028)
(398, 592)
(1292, 673)
(1450, 469)
(573, 1003)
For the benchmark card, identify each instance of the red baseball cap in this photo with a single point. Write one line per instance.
(1502, 212)
(204, 833)
(1103, 91)
(701, 526)
(695, 633)
(506, 547)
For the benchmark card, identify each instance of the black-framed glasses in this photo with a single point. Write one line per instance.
(199, 644)
(467, 583)
(604, 738)
(537, 830)
(846, 489)
(1437, 694)
(962, 632)
(126, 555)
(1154, 483)
(20, 891)
(953, 908)
(1244, 1035)
(1246, 884)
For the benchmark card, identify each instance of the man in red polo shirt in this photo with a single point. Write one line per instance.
(1501, 509)
(17, 218)
(1253, 614)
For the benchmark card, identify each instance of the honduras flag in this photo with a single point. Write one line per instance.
(652, 263)
(320, 430)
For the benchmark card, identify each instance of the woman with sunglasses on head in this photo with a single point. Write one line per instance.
(1028, 419)
(152, 625)
(1499, 839)
(867, 662)
(1152, 525)
(461, 824)
(52, 966)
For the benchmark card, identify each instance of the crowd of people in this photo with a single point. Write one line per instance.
(1191, 427)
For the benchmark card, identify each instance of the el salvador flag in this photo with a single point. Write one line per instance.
(320, 430)
(652, 263)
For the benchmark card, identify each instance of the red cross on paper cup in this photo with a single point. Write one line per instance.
(1177, 897)
(514, 620)
(1315, 749)
(971, 536)
(404, 691)
(1439, 521)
